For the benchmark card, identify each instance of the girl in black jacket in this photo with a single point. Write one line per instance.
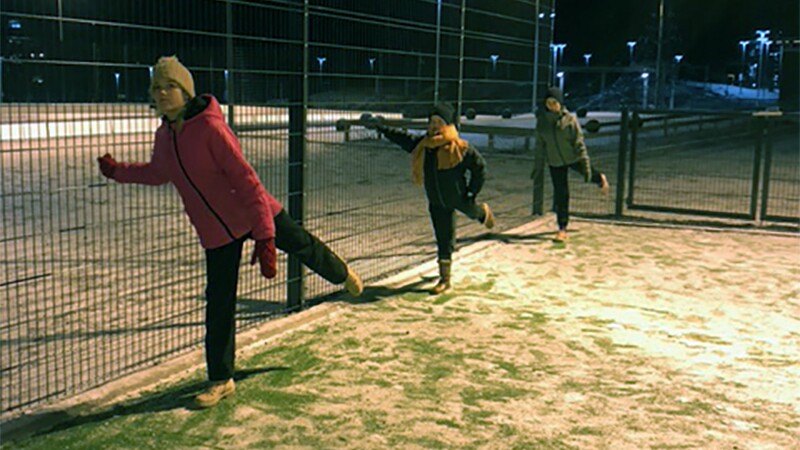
(440, 160)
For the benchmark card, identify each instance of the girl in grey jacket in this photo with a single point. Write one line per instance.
(560, 139)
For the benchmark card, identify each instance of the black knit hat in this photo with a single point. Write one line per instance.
(555, 93)
(445, 111)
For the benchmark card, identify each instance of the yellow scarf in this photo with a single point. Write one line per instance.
(449, 148)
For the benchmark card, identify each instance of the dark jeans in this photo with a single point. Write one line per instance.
(560, 177)
(444, 224)
(222, 276)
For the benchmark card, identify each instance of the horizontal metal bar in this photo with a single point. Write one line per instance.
(689, 211)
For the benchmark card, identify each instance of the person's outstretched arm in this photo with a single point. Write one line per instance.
(402, 138)
(147, 173)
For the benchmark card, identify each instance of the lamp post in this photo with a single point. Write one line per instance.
(116, 83)
(494, 59)
(762, 37)
(561, 48)
(645, 85)
(226, 74)
(372, 72)
(560, 76)
(678, 59)
(554, 48)
(587, 57)
(631, 45)
(321, 60)
(770, 78)
(558, 50)
(741, 73)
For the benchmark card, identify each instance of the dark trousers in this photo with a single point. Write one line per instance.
(222, 276)
(560, 177)
(444, 224)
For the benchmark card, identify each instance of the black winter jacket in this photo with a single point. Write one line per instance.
(449, 187)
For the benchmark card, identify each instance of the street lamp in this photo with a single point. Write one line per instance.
(372, 72)
(770, 79)
(678, 59)
(631, 44)
(741, 73)
(558, 49)
(645, 85)
(116, 83)
(494, 59)
(226, 74)
(560, 76)
(587, 57)
(561, 48)
(321, 60)
(762, 38)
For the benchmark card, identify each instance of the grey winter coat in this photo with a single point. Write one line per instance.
(559, 137)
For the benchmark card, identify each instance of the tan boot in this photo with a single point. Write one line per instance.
(216, 391)
(561, 236)
(444, 277)
(605, 186)
(488, 221)
(353, 283)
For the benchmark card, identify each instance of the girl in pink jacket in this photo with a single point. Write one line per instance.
(226, 203)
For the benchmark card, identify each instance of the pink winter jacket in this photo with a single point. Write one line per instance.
(221, 193)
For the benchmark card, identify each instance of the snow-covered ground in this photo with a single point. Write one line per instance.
(738, 92)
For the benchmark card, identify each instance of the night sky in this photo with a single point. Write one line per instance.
(705, 31)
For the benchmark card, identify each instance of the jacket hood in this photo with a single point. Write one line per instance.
(205, 105)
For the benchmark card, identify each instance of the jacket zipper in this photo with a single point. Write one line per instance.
(199, 194)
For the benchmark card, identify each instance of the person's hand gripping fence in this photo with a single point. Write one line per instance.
(107, 165)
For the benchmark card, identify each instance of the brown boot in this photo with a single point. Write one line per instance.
(488, 220)
(444, 277)
(216, 391)
(353, 283)
(605, 186)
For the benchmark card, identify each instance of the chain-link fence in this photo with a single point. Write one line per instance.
(101, 279)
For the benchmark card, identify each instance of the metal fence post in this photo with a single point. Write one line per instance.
(767, 151)
(534, 93)
(623, 144)
(298, 106)
(438, 50)
(756, 179)
(229, 89)
(538, 182)
(634, 129)
(460, 101)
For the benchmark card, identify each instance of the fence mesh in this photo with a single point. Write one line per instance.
(101, 279)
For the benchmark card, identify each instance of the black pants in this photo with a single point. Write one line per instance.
(560, 177)
(444, 224)
(222, 275)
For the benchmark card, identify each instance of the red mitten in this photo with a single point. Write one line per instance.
(264, 252)
(107, 165)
